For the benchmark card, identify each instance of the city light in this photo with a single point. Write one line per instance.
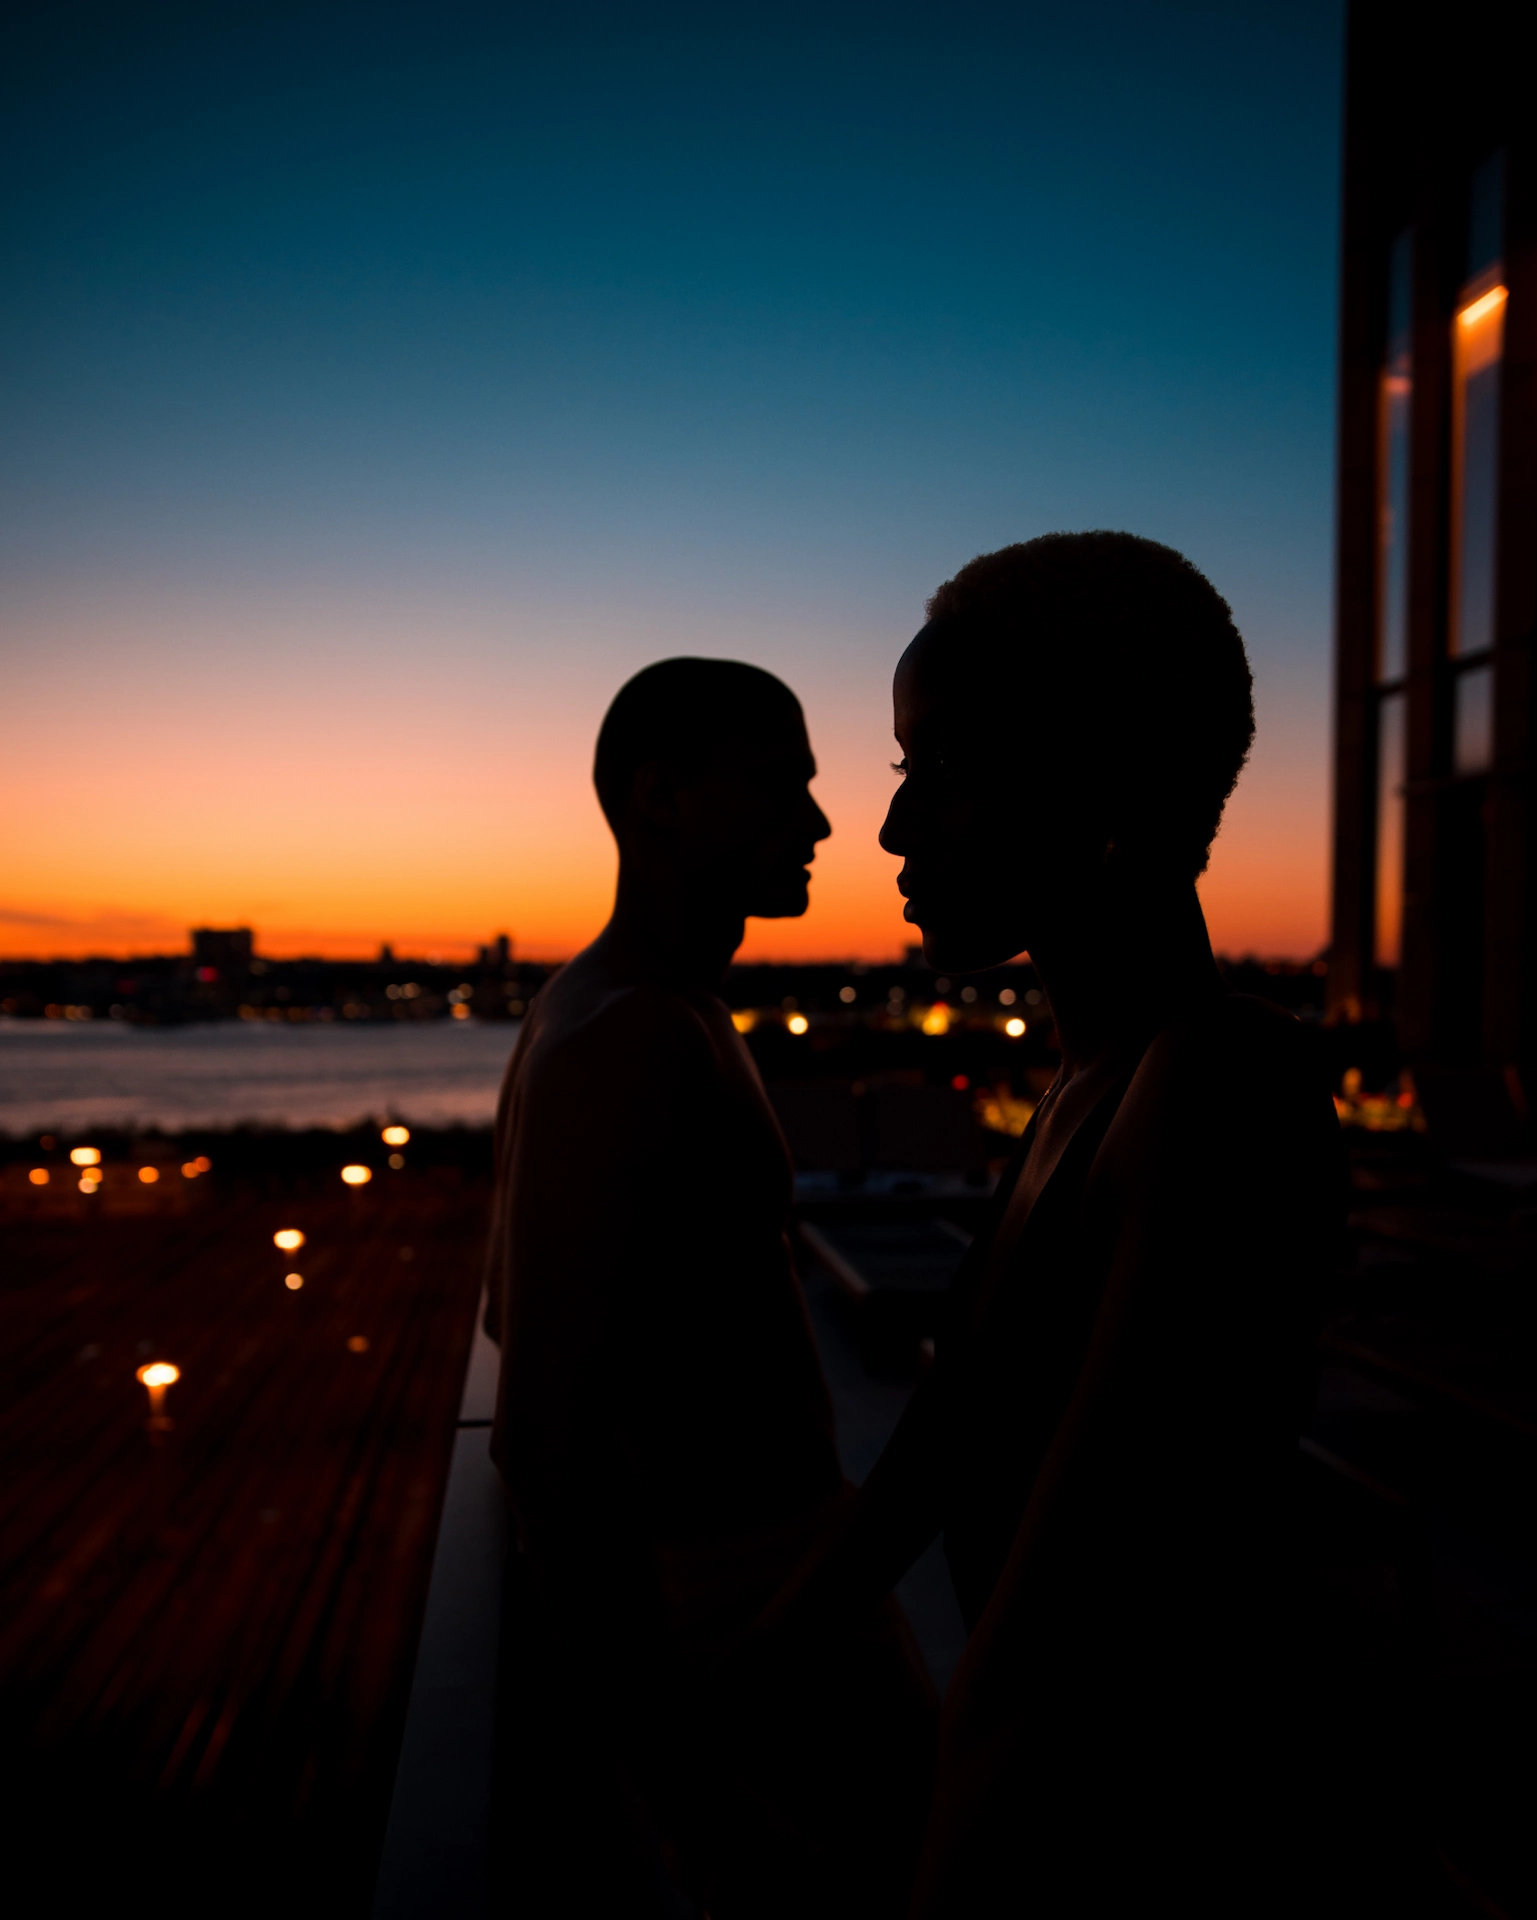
(293, 1281)
(288, 1238)
(357, 1176)
(744, 1020)
(85, 1156)
(358, 1343)
(149, 1175)
(847, 995)
(1014, 1028)
(395, 1136)
(155, 1378)
(397, 1161)
(1007, 997)
(461, 1011)
(798, 1023)
(38, 1176)
(937, 1019)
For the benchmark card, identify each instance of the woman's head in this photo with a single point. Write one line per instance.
(1073, 719)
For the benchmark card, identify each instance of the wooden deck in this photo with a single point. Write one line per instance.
(206, 1635)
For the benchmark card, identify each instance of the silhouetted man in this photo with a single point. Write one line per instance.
(663, 1425)
(1109, 1431)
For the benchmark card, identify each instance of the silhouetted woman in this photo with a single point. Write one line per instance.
(1108, 1434)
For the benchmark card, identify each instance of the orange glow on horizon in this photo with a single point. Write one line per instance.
(381, 808)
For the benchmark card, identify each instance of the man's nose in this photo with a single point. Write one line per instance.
(821, 826)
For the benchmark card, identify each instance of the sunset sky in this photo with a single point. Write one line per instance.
(384, 385)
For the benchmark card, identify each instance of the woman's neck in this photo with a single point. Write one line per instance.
(1114, 976)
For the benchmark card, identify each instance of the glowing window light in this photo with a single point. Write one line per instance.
(149, 1175)
(395, 1136)
(38, 1176)
(293, 1281)
(1014, 1028)
(798, 1023)
(1481, 308)
(937, 1019)
(85, 1156)
(288, 1238)
(1478, 346)
(357, 1176)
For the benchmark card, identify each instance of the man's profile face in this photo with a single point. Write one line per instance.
(749, 825)
(987, 858)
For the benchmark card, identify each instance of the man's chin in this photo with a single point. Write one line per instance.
(787, 903)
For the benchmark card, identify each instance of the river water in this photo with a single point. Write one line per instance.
(60, 1077)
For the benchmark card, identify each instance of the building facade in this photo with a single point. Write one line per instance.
(1435, 854)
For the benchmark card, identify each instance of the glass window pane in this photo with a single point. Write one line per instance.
(1391, 765)
(1478, 340)
(1393, 473)
(1486, 216)
(1473, 717)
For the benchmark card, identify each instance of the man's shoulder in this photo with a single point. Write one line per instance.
(630, 1028)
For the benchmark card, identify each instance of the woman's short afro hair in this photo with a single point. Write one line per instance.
(679, 711)
(1133, 661)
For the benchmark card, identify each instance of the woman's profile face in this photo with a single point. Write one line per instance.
(991, 857)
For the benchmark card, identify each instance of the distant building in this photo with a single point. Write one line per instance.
(1435, 843)
(221, 954)
(498, 954)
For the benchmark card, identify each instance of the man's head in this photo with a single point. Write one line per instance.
(704, 766)
(1073, 719)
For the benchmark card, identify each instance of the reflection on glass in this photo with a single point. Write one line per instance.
(1390, 828)
(1478, 340)
(1394, 396)
(1473, 721)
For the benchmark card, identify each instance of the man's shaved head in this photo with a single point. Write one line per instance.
(679, 711)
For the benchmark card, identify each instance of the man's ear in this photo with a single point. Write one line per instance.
(654, 795)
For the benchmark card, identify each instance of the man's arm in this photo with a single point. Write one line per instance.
(585, 1144)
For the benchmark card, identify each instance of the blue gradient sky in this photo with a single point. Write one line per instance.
(383, 385)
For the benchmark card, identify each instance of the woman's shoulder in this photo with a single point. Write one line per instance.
(1235, 1076)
